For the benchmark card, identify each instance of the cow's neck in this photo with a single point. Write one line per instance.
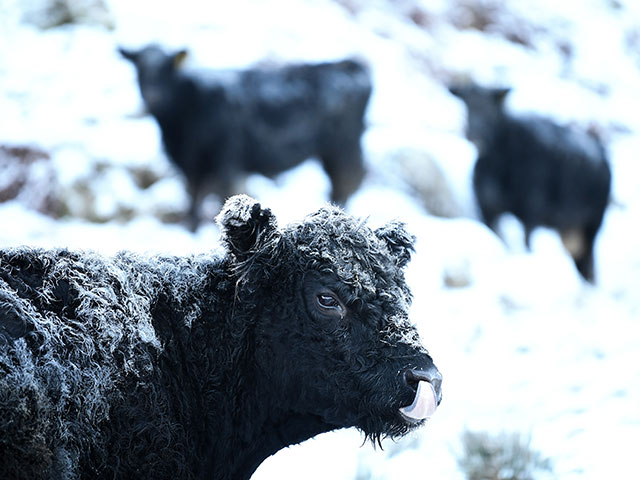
(277, 433)
(260, 422)
(257, 420)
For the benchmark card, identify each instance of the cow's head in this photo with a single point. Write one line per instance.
(156, 70)
(485, 108)
(331, 311)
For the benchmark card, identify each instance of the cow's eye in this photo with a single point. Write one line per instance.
(330, 304)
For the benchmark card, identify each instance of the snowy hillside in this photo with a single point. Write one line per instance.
(523, 343)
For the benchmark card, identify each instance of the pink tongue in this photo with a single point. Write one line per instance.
(424, 404)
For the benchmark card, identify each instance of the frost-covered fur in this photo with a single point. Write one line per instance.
(203, 366)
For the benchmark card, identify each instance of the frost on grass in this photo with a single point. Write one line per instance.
(27, 176)
(504, 456)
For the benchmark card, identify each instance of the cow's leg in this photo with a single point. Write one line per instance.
(490, 219)
(196, 196)
(528, 229)
(583, 258)
(346, 171)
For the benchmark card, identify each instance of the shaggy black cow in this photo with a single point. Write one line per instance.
(543, 173)
(217, 126)
(203, 366)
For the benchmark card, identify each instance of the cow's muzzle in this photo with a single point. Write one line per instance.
(428, 395)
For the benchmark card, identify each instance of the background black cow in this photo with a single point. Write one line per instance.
(219, 126)
(545, 174)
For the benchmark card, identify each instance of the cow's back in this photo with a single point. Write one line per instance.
(544, 173)
(296, 112)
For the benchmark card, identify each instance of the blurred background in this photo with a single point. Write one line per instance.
(541, 369)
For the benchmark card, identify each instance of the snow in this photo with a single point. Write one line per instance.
(523, 343)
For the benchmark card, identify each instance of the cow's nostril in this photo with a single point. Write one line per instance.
(411, 380)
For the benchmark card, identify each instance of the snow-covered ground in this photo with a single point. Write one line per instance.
(525, 345)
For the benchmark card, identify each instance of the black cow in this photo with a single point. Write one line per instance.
(543, 173)
(217, 126)
(201, 367)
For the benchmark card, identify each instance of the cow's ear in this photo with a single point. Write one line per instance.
(178, 58)
(398, 240)
(131, 55)
(500, 94)
(245, 226)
